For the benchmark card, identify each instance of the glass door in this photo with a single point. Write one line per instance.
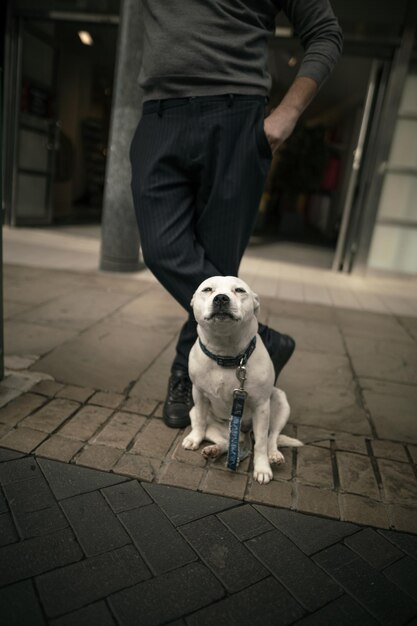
(36, 133)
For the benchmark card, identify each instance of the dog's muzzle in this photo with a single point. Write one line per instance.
(221, 307)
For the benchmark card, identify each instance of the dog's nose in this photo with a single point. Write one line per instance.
(221, 299)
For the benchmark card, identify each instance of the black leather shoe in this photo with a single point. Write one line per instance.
(179, 401)
(281, 349)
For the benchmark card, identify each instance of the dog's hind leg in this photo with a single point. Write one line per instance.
(220, 442)
(198, 417)
(280, 412)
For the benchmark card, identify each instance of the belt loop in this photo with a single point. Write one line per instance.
(159, 109)
(266, 99)
(230, 100)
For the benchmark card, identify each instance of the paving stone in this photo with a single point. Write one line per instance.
(221, 465)
(20, 408)
(7, 395)
(225, 483)
(43, 522)
(413, 452)
(182, 506)
(343, 611)
(313, 435)
(277, 493)
(143, 406)
(392, 407)
(128, 495)
(120, 430)
(8, 455)
(314, 467)
(28, 495)
(4, 429)
(227, 558)
(181, 475)
(21, 468)
(138, 466)
(284, 471)
(404, 574)
(96, 614)
(309, 585)
(70, 480)
(252, 606)
(8, 532)
(20, 605)
(94, 523)
(399, 481)
(403, 517)
(389, 450)
(357, 475)
(367, 585)
(363, 511)
(406, 542)
(350, 443)
(394, 361)
(47, 387)
(23, 439)
(108, 399)
(37, 555)
(49, 417)
(337, 403)
(317, 501)
(309, 533)
(245, 522)
(311, 335)
(166, 597)
(366, 324)
(88, 358)
(157, 540)
(3, 504)
(91, 579)
(372, 547)
(21, 338)
(85, 423)
(155, 439)
(99, 457)
(73, 392)
(59, 448)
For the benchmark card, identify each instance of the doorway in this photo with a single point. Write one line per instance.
(61, 85)
(309, 186)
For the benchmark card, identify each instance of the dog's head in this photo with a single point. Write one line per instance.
(224, 300)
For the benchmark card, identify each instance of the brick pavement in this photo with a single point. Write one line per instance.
(82, 546)
(88, 355)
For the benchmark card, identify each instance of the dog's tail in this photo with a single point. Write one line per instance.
(285, 441)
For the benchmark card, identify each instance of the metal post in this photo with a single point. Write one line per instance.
(119, 231)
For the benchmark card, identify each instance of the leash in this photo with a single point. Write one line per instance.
(239, 397)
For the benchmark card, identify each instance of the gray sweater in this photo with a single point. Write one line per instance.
(208, 47)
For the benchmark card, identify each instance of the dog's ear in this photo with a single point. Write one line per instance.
(256, 303)
(192, 301)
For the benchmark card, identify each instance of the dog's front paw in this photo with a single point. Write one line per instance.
(262, 474)
(189, 443)
(211, 452)
(276, 457)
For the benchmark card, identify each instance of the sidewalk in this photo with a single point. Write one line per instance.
(105, 519)
(87, 548)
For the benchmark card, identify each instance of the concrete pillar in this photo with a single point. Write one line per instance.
(119, 231)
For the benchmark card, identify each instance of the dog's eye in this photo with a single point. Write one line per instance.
(207, 289)
(240, 290)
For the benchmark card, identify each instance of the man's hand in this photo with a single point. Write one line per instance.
(281, 121)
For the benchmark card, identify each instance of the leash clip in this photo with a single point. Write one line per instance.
(241, 374)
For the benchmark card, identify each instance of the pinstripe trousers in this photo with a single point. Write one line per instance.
(199, 166)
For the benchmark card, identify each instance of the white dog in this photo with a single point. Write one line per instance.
(226, 312)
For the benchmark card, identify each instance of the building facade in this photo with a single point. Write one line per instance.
(345, 184)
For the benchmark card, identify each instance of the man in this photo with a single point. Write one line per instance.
(203, 147)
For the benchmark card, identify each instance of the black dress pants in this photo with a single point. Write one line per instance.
(199, 166)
